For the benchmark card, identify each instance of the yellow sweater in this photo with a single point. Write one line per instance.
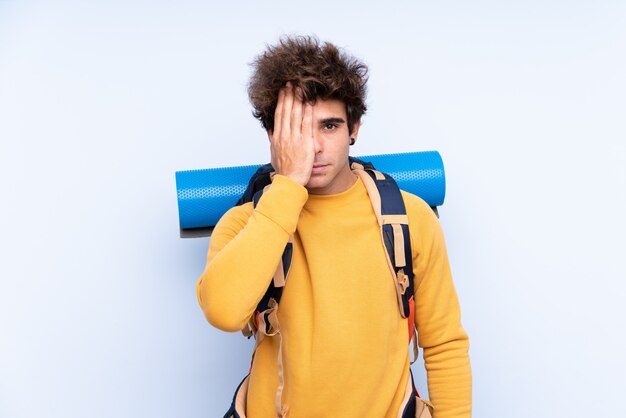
(345, 345)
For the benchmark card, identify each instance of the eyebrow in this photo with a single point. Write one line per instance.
(336, 120)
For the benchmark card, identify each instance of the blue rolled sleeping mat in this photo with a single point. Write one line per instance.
(205, 195)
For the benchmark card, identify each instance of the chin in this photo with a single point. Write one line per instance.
(316, 184)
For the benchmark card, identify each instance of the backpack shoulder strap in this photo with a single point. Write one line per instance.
(261, 178)
(392, 218)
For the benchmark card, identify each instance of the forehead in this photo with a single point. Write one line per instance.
(323, 109)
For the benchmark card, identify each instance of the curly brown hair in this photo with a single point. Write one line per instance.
(321, 70)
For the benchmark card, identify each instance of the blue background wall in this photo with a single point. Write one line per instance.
(101, 102)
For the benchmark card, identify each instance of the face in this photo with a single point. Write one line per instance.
(331, 172)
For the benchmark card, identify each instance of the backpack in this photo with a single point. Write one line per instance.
(391, 214)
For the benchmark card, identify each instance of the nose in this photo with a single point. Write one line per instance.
(317, 142)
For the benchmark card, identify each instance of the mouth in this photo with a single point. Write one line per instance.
(318, 168)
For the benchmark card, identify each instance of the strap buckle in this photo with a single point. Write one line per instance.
(402, 281)
(271, 327)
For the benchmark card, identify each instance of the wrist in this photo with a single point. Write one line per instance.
(300, 179)
(285, 180)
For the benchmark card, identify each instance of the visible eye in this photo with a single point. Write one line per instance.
(330, 126)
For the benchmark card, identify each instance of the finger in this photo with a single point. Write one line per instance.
(307, 123)
(296, 114)
(286, 113)
(273, 159)
(278, 113)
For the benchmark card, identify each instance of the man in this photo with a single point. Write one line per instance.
(341, 350)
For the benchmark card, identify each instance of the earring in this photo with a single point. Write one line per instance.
(352, 141)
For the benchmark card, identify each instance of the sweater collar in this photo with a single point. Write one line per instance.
(353, 193)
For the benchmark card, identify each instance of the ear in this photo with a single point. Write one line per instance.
(355, 130)
(269, 134)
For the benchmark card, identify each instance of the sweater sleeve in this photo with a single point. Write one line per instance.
(244, 251)
(438, 317)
